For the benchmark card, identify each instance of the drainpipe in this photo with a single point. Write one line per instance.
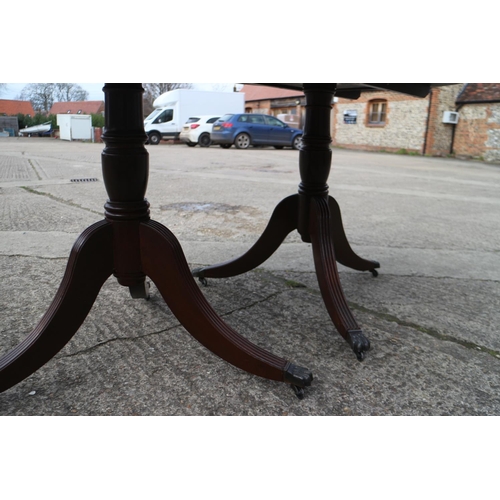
(452, 137)
(427, 123)
(457, 107)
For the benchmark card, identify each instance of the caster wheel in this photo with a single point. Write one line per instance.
(140, 291)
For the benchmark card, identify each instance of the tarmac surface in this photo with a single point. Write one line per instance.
(432, 315)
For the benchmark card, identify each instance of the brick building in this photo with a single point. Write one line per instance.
(77, 108)
(274, 101)
(477, 133)
(10, 107)
(390, 121)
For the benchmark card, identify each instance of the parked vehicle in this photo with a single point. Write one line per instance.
(249, 129)
(174, 108)
(197, 130)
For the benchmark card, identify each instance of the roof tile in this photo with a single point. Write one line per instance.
(479, 92)
(259, 92)
(12, 107)
(73, 107)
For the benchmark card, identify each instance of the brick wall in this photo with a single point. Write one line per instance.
(439, 134)
(478, 132)
(98, 134)
(263, 107)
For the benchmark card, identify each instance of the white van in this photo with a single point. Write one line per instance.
(173, 109)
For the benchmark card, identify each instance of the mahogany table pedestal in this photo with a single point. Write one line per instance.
(316, 216)
(131, 246)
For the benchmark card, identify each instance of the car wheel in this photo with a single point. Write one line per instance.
(242, 141)
(297, 142)
(204, 140)
(191, 144)
(225, 146)
(154, 138)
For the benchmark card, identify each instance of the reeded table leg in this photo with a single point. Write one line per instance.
(344, 254)
(184, 298)
(283, 221)
(329, 281)
(89, 266)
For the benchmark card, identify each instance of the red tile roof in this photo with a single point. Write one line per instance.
(12, 108)
(85, 107)
(479, 92)
(260, 92)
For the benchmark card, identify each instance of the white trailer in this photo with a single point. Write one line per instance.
(174, 108)
(75, 127)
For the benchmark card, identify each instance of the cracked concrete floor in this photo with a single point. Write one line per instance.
(431, 316)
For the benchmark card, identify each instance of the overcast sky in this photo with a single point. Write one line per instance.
(94, 89)
(13, 90)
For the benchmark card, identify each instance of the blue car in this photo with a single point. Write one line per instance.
(249, 129)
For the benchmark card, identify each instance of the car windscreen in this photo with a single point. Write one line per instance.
(153, 114)
(193, 119)
(224, 118)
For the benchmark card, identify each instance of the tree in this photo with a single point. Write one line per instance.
(97, 120)
(154, 90)
(43, 95)
(29, 121)
(66, 92)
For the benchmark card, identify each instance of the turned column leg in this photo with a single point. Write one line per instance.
(143, 247)
(125, 168)
(315, 217)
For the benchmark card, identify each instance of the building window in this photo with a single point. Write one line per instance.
(377, 112)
